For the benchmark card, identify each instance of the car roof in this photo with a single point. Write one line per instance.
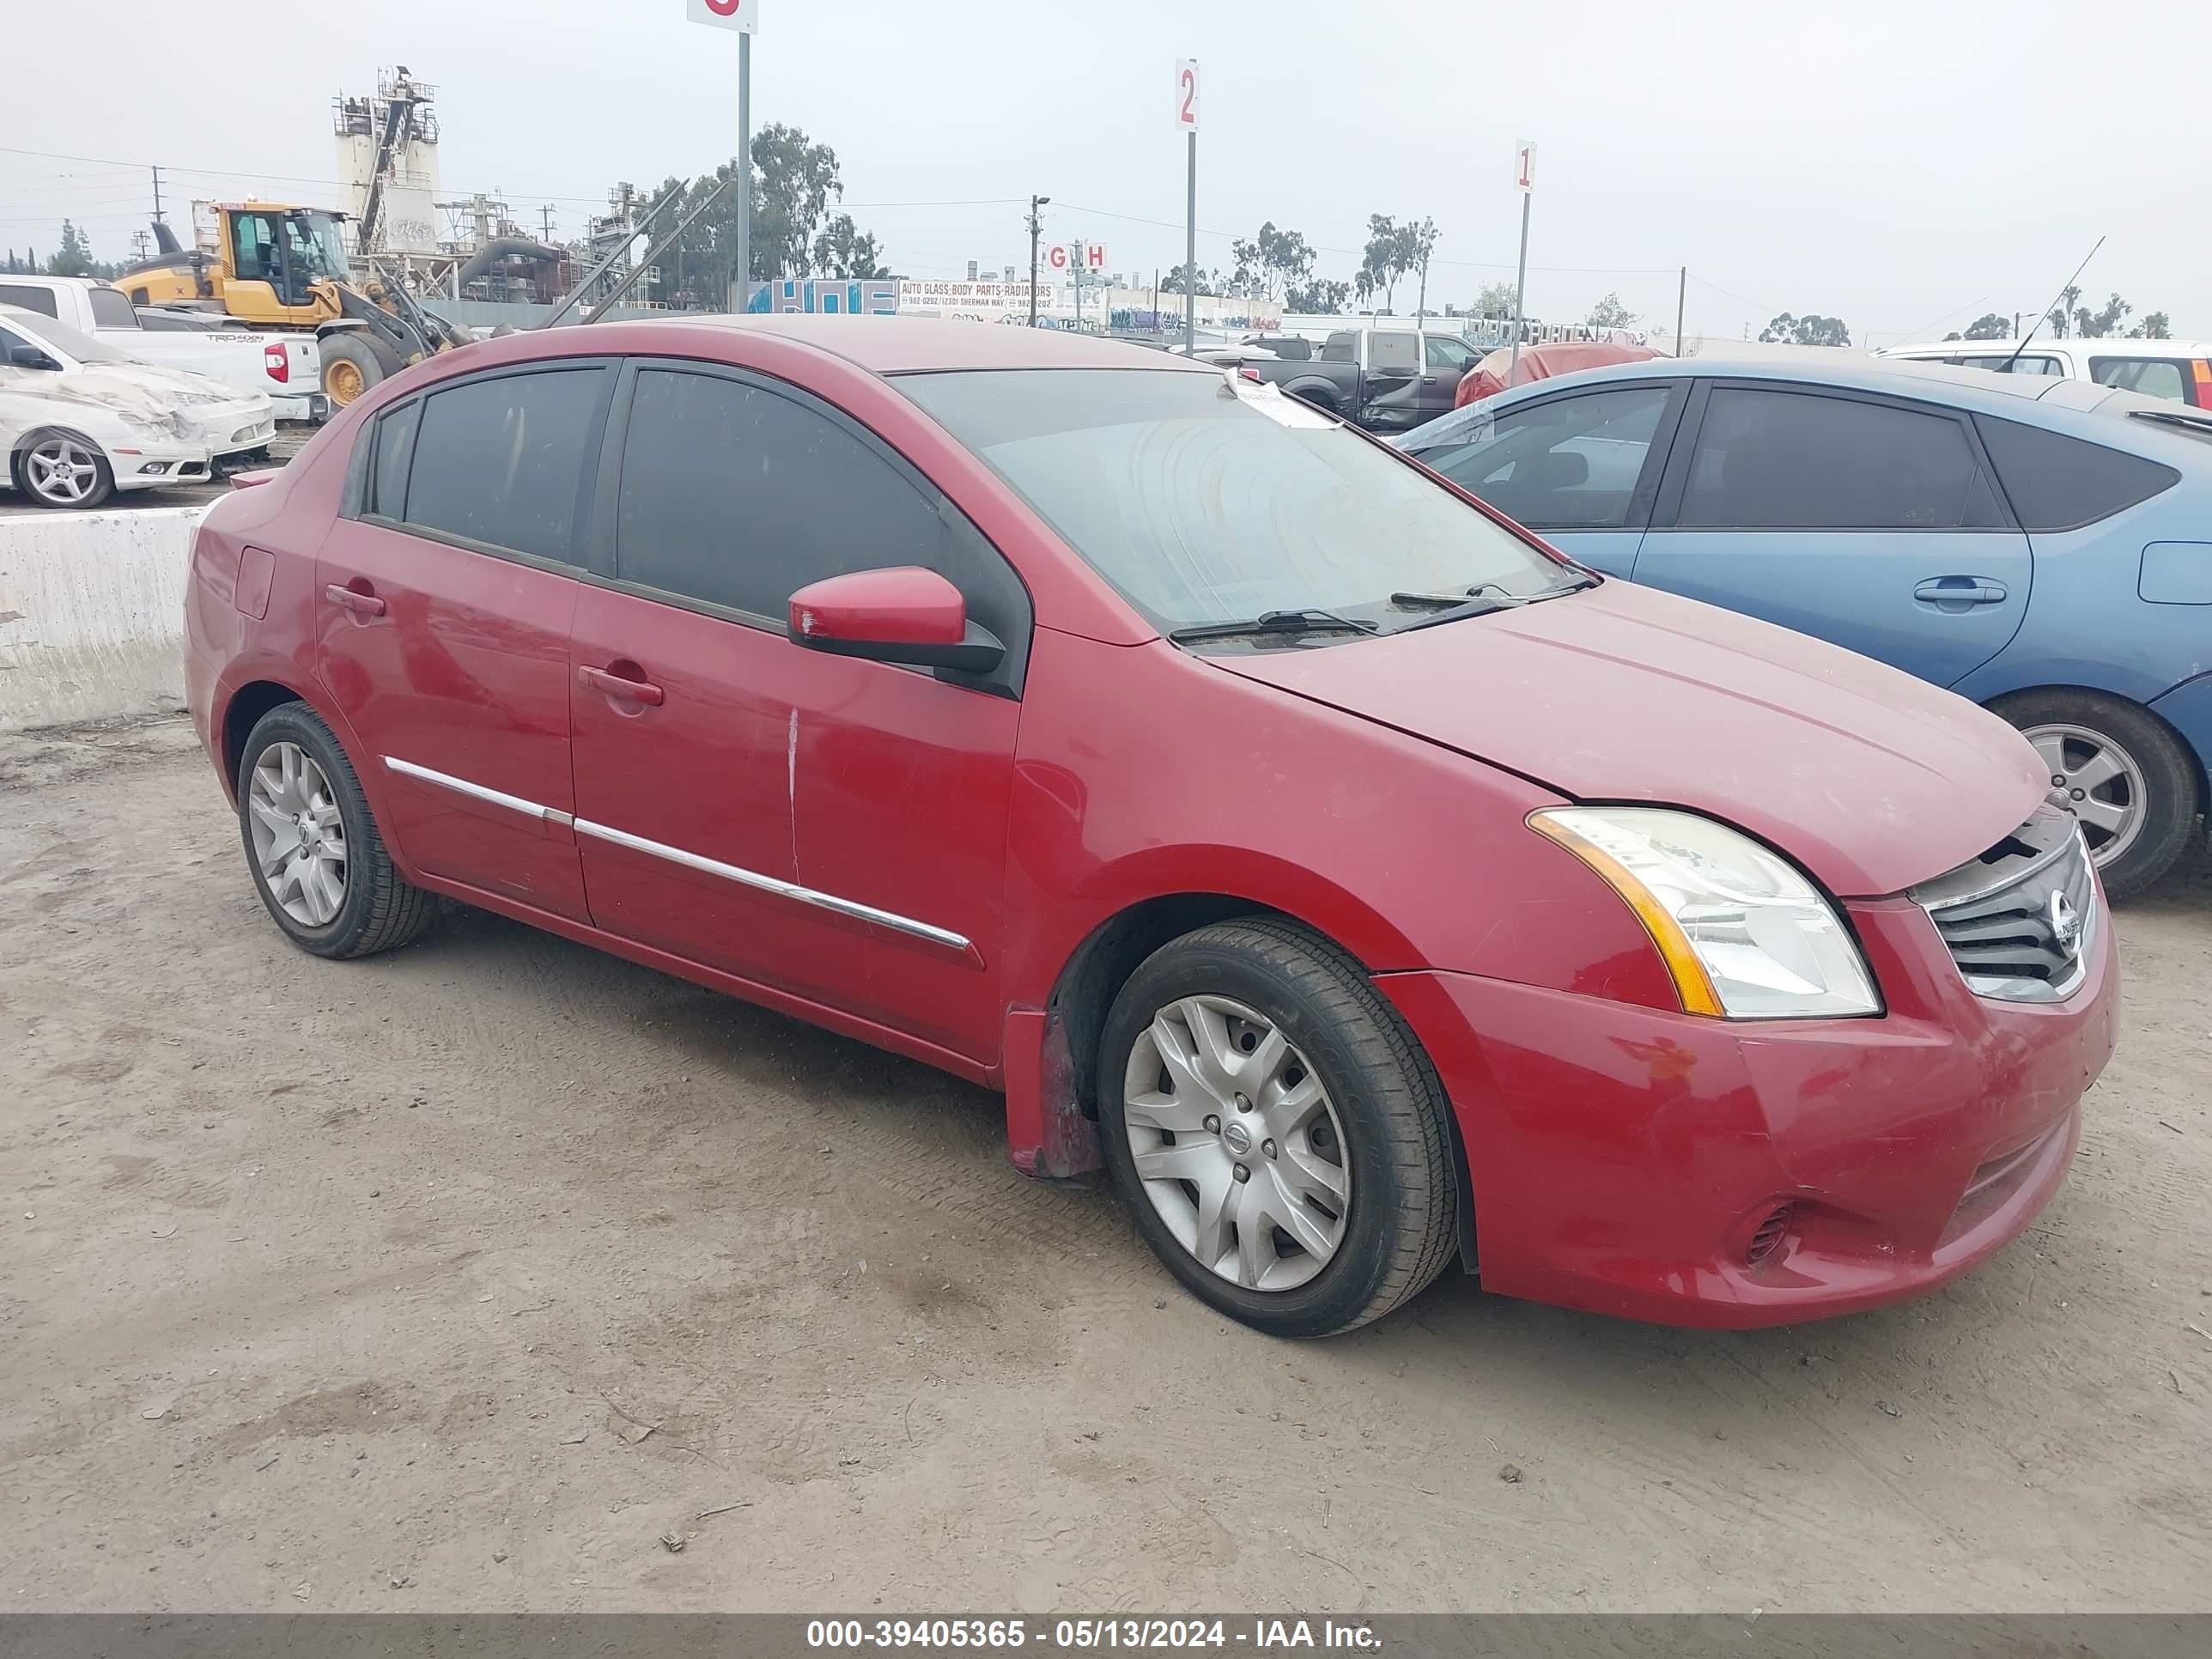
(916, 345)
(2113, 346)
(1899, 377)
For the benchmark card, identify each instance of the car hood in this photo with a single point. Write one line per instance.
(175, 403)
(1871, 779)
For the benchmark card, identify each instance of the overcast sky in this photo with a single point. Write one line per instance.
(1906, 167)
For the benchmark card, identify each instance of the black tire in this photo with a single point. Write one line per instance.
(1319, 400)
(356, 349)
(103, 475)
(1400, 1226)
(380, 910)
(2170, 802)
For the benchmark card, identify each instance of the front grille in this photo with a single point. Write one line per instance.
(2018, 919)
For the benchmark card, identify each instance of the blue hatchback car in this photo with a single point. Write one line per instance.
(2043, 546)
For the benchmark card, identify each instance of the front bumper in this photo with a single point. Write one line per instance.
(149, 465)
(1624, 1158)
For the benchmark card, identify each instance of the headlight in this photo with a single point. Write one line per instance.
(1744, 934)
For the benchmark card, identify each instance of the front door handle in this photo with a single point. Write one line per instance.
(616, 686)
(353, 599)
(1959, 593)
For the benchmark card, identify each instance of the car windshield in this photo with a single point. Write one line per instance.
(68, 340)
(1207, 499)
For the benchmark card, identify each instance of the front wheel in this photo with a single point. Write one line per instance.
(1277, 1135)
(56, 469)
(2123, 773)
(351, 365)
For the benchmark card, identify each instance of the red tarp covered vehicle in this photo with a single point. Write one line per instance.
(1541, 362)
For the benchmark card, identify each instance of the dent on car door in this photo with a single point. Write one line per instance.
(1861, 520)
(831, 828)
(444, 596)
(1580, 469)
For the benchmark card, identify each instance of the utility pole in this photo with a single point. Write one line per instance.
(138, 241)
(157, 196)
(1037, 225)
(1681, 303)
(545, 221)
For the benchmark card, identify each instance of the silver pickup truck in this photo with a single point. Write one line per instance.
(288, 366)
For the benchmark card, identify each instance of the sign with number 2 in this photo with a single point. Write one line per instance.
(1186, 94)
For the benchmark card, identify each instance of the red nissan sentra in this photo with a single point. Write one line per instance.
(1361, 882)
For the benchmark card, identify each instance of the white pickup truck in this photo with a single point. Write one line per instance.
(288, 366)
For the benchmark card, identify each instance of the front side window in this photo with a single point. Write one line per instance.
(501, 461)
(1202, 505)
(1447, 354)
(253, 251)
(1791, 460)
(2154, 377)
(1566, 463)
(66, 341)
(739, 497)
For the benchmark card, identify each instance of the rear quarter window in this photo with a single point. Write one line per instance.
(2058, 483)
(110, 309)
(40, 300)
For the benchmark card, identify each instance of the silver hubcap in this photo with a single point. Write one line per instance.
(1237, 1143)
(61, 471)
(2100, 782)
(299, 838)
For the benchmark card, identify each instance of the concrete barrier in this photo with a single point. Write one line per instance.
(92, 614)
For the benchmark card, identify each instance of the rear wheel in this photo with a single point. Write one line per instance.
(1276, 1133)
(58, 468)
(2123, 773)
(317, 857)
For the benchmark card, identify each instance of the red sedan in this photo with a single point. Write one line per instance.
(1364, 883)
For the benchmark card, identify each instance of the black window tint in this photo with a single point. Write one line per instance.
(501, 461)
(740, 496)
(2057, 482)
(395, 442)
(110, 309)
(1341, 347)
(1784, 460)
(2154, 376)
(40, 300)
(1568, 463)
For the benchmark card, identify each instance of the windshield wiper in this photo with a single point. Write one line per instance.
(1481, 600)
(1306, 619)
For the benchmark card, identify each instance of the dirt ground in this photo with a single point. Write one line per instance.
(457, 1279)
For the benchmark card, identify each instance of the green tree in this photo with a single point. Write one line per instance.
(1609, 313)
(1209, 281)
(2101, 323)
(72, 258)
(1989, 326)
(1384, 261)
(844, 250)
(1495, 299)
(1812, 329)
(796, 179)
(2062, 314)
(2154, 326)
(1416, 244)
(1272, 263)
(1322, 297)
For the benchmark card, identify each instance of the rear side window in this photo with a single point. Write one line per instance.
(501, 461)
(2057, 482)
(2154, 377)
(388, 477)
(40, 300)
(1791, 460)
(1389, 353)
(2006, 363)
(110, 309)
(1341, 347)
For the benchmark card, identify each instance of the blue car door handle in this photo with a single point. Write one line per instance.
(1957, 594)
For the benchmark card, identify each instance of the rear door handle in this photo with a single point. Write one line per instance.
(616, 686)
(1957, 593)
(348, 599)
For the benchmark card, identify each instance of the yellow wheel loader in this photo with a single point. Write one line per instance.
(271, 266)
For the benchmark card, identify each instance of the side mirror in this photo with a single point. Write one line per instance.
(29, 357)
(902, 615)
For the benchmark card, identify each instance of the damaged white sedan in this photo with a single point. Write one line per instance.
(80, 421)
